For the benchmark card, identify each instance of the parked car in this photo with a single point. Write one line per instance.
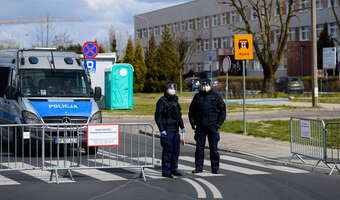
(193, 83)
(289, 85)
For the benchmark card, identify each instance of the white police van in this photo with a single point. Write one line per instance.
(45, 86)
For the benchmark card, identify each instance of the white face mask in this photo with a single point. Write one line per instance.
(171, 91)
(206, 88)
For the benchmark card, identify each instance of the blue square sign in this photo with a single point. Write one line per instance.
(90, 65)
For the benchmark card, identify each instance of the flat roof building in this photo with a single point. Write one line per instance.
(212, 26)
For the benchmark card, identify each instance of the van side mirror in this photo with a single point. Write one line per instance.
(11, 93)
(97, 93)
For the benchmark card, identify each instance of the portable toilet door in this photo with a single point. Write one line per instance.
(121, 87)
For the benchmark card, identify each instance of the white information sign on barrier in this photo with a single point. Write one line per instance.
(305, 129)
(102, 135)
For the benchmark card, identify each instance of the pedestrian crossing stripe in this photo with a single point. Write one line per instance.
(228, 167)
(111, 160)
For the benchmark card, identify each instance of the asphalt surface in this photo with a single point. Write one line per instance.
(241, 177)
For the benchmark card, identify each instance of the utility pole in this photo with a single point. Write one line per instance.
(314, 55)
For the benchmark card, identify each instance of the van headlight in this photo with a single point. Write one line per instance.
(31, 118)
(96, 118)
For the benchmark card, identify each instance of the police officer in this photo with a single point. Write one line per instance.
(168, 117)
(207, 113)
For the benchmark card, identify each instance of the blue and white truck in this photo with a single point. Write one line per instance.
(45, 86)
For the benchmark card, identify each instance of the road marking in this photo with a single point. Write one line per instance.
(129, 167)
(94, 173)
(228, 167)
(279, 168)
(199, 189)
(216, 193)
(6, 181)
(183, 168)
(38, 174)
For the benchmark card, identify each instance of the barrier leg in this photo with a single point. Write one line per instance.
(298, 156)
(316, 165)
(54, 172)
(70, 174)
(142, 174)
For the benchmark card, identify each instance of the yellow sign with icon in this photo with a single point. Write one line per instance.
(243, 45)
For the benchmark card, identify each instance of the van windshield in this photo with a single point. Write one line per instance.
(55, 83)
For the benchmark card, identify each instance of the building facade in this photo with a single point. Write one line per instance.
(211, 27)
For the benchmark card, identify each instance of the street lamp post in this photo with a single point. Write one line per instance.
(314, 55)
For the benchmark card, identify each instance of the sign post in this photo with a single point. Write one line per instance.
(226, 68)
(243, 45)
(90, 51)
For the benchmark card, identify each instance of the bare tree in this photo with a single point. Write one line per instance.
(45, 33)
(112, 39)
(268, 53)
(337, 20)
(8, 44)
(62, 39)
(185, 49)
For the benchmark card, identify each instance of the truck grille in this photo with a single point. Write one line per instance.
(65, 120)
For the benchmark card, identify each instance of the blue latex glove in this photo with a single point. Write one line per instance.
(163, 133)
(184, 130)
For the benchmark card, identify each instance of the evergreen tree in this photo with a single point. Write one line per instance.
(152, 75)
(129, 56)
(113, 44)
(325, 40)
(140, 68)
(168, 58)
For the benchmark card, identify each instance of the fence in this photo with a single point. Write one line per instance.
(66, 147)
(311, 138)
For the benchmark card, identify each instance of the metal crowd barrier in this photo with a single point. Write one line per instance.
(63, 147)
(308, 139)
(333, 145)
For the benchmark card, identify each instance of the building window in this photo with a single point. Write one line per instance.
(234, 17)
(291, 34)
(139, 34)
(231, 44)
(191, 25)
(206, 22)
(277, 34)
(332, 30)
(162, 29)
(215, 21)
(215, 44)
(206, 45)
(304, 33)
(319, 29)
(224, 43)
(150, 31)
(198, 67)
(198, 24)
(224, 19)
(145, 33)
(183, 26)
(253, 14)
(304, 5)
(277, 10)
(318, 4)
(336, 3)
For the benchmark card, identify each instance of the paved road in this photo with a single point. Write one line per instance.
(241, 177)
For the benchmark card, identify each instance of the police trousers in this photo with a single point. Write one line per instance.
(213, 137)
(171, 148)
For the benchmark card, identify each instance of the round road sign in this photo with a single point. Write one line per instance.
(90, 50)
(226, 64)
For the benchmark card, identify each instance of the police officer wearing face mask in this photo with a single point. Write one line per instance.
(168, 117)
(207, 113)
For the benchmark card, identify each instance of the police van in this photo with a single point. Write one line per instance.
(45, 86)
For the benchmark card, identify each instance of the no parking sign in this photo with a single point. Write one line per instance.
(90, 50)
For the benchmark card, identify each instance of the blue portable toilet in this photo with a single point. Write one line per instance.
(119, 87)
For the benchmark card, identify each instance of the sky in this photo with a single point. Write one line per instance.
(96, 17)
